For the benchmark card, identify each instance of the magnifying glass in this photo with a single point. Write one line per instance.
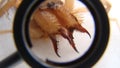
(52, 33)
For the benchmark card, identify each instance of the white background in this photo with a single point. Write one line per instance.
(110, 59)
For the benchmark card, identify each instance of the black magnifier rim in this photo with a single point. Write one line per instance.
(21, 34)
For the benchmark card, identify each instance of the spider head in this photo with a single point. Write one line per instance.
(54, 4)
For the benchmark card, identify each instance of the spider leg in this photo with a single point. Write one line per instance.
(54, 41)
(9, 4)
(68, 35)
(5, 31)
(82, 29)
(78, 27)
(69, 4)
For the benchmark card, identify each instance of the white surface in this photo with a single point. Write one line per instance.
(110, 59)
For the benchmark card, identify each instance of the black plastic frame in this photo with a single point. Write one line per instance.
(21, 35)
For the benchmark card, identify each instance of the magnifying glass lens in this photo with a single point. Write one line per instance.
(61, 30)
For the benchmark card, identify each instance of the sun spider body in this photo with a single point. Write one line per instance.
(53, 18)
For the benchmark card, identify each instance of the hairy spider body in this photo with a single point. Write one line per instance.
(55, 19)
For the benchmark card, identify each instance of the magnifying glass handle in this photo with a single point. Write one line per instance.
(10, 60)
